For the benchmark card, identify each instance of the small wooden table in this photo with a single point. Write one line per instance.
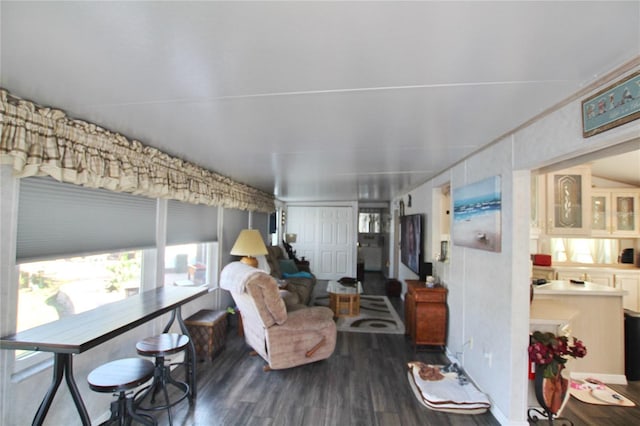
(79, 333)
(344, 300)
(426, 314)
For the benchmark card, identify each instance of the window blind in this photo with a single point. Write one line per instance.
(191, 223)
(57, 220)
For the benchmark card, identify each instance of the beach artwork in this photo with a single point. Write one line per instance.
(476, 215)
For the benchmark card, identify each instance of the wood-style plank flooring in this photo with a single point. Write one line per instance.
(363, 383)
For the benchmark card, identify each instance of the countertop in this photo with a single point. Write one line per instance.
(613, 266)
(559, 287)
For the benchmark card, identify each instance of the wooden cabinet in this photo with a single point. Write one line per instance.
(614, 212)
(426, 314)
(569, 202)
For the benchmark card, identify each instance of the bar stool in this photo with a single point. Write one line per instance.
(121, 376)
(159, 347)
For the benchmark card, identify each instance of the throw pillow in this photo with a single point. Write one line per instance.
(288, 266)
(301, 274)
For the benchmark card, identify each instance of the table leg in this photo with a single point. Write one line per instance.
(192, 354)
(62, 367)
(191, 366)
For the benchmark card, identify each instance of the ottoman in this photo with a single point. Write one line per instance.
(208, 329)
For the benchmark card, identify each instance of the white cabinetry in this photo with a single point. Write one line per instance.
(569, 202)
(566, 274)
(629, 282)
(614, 212)
(543, 272)
(601, 277)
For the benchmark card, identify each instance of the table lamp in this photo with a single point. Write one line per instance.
(249, 244)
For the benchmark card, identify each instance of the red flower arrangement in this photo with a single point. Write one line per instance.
(553, 351)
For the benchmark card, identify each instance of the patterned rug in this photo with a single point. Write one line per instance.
(377, 315)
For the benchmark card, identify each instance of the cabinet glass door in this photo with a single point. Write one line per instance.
(625, 218)
(569, 199)
(600, 212)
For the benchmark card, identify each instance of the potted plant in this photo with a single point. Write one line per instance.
(550, 353)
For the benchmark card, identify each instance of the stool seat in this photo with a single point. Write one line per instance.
(159, 347)
(123, 374)
(162, 344)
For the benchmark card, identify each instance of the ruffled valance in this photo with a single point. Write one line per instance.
(41, 141)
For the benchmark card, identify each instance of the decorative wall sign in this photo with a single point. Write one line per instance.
(477, 215)
(613, 106)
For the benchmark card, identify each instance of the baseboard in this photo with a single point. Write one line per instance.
(614, 379)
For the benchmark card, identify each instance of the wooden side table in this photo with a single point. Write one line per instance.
(426, 314)
(344, 301)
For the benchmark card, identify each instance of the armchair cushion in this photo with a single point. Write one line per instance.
(287, 266)
(268, 301)
(300, 283)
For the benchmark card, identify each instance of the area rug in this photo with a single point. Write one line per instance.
(598, 393)
(445, 392)
(377, 315)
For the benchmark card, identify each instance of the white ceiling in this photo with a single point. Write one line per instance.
(312, 100)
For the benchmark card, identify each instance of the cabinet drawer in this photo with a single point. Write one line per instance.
(431, 297)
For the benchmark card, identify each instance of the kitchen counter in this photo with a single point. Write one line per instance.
(561, 287)
(550, 313)
(614, 266)
(594, 314)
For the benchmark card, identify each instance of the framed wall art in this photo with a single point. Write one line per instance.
(477, 215)
(613, 106)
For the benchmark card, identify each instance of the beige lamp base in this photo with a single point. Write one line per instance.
(251, 261)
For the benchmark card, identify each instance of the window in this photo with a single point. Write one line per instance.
(369, 221)
(52, 289)
(584, 250)
(189, 264)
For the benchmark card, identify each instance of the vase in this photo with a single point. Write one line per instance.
(551, 392)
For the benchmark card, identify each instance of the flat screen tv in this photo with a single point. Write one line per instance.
(411, 229)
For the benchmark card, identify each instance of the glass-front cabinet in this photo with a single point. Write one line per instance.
(614, 212)
(625, 212)
(600, 212)
(568, 202)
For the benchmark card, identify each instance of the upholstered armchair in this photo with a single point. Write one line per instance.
(302, 286)
(283, 339)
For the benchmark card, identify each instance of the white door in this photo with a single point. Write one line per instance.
(325, 236)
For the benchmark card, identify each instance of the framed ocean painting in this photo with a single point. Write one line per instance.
(477, 210)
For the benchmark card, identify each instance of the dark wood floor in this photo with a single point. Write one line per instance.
(363, 383)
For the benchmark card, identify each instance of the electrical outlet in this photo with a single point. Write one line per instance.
(489, 357)
(469, 343)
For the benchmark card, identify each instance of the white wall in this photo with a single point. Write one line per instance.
(489, 292)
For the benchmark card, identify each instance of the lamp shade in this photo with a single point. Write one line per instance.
(290, 238)
(249, 244)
